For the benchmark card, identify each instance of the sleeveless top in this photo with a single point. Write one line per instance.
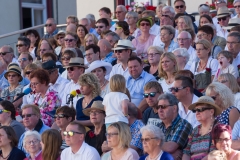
(223, 118)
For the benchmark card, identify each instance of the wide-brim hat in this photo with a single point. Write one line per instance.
(124, 44)
(14, 67)
(207, 100)
(49, 65)
(76, 61)
(59, 32)
(222, 12)
(232, 22)
(149, 19)
(98, 64)
(95, 105)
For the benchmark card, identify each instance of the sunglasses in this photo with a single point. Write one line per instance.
(139, 12)
(117, 28)
(70, 133)
(27, 115)
(22, 60)
(237, 6)
(3, 53)
(222, 18)
(60, 116)
(20, 45)
(70, 69)
(12, 75)
(144, 24)
(147, 139)
(181, 6)
(60, 38)
(99, 26)
(28, 72)
(119, 51)
(175, 89)
(3, 110)
(69, 40)
(66, 58)
(200, 109)
(163, 106)
(223, 81)
(110, 134)
(48, 25)
(164, 15)
(151, 94)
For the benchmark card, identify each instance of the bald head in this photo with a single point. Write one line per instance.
(71, 28)
(105, 47)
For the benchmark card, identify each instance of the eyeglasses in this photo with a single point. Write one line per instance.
(12, 75)
(89, 54)
(237, 6)
(164, 15)
(34, 84)
(110, 134)
(3, 110)
(20, 45)
(220, 140)
(99, 26)
(60, 116)
(48, 25)
(200, 109)
(3, 53)
(144, 24)
(117, 28)
(200, 49)
(222, 18)
(22, 60)
(223, 81)
(163, 106)
(27, 115)
(152, 54)
(147, 139)
(182, 39)
(70, 133)
(139, 12)
(118, 12)
(231, 43)
(163, 35)
(66, 58)
(69, 40)
(181, 6)
(89, 41)
(28, 72)
(60, 38)
(200, 35)
(175, 89)
(95, 112)
(70, 69)
(32, 142)
(151, 94)
(119, 51)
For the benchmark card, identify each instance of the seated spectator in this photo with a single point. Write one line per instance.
(24, 59)
(7, 55)
(71, 28)
(9, 143)
(59, 37)
(154, 54)
(119, 138)
(106, 53)
(7, 118)
(204, 19)
(53, 43)
(182, 57)
(81, 32)
(102, 25)
(67, 54)
(224, 98)
(23, 44)
(153, 139)
(131, 19)
(34, 38)
(92, 53)
(44, 46)
(152, 90)
(51, 28)
(221, 136)
(176, 136)
(183, 23)
(71, 42)
(122, 29)
(90, 39)
(96, 136)
(155, 29)
(74, 136)
(31, 121)
(217, 155)
(51, 143)
(72, 19)
(200, 141)
(64, 115)
(32, 145)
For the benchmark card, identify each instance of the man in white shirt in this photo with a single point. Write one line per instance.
(120, 15)
(182, 89)
(155, 29)
(74, 137)
(223, 17)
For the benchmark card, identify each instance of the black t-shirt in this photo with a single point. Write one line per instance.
(149, 117)
(147, 69)
(16, 154)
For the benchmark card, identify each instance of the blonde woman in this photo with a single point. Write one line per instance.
(224, 98)
(230, 81)
(167, 70)
(90, 39)
(119, 138)
(90, 89)
(184, 22)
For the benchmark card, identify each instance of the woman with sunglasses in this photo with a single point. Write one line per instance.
(81, 32)
(122, 29)
(119, 138)
(224, 98)
(71, 40)
(152, 140)
(145, 40)
(7, 118)
(59, 37)
(200, 140)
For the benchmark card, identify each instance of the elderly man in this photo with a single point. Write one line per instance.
(106, 53)
(74, 137)
(23, 44)
(87, 23)
(71, 28)
(105, 12)
(120, 13)
(45, 48)
(204, 9)
(72, 19)
(182, 58)
(7, 55)
(92, 53)
(101, 26)
(137, 79)
(112, 38)
(155, 29)
(159, 12)
(51, 28)
(175, 129)
(31, 121)
(152, 90)
(91, 17)
(223, 17)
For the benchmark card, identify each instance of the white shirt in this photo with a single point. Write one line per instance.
(237, 100)
(27, 99)
(189, 116)
(236, 61)
(155, 29)
(32, 53)
(64, 74)
(157, 41)
(85, 152)
(164, 85)
(192, 56)
(118, 69)
(236, 131)
(59, 86)
(70, 86)
(229, 69)
(215, 22)
(222, 33)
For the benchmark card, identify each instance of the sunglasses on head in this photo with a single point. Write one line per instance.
(3, 110)
(151, 94)
(222, 18)
(144, 24)
(48, 25)
(70, 133)
(181, 6)
(163, 106)
(3, 53)
(175, 89)
(60, 116)
(200, 109)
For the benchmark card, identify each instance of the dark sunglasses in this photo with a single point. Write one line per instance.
(20, 45)
(3, 110)
(119, 51)
(69, 40)
(164, 15)
(60, 38)
(27, 115)
(99, 26)
(28, 72)
(48, 25)
(3, 53)
(214, 97)
(163, 106)
(237, 6)
(70, 69)
(66, 58)
(181, 6)
(151, 94)
(144, 24)
(22, 60)
(222, 18)
(70, 133)
(60, 116)
(139, 12)
(200, 109)
(175, 89)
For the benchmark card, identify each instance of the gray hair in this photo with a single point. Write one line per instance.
(10, 49)
(155, 131)
(170, 29)
(170, 8)
(71, 49)
(124, 9)
(204, 8)
(133, 14)
(114, 35)
(160, 5)
(171, 98)
(211, 25)
(91, 17)
(235, 34)
(53, 20)
(88, 20)
(157, 48)
(29, 133)
(183, 52)
(185, 32)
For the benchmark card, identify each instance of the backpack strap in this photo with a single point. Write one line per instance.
(213, 50)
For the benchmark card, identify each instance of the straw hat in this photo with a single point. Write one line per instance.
(145, 19)
(207, 100)
(76, 61)
(222, 12)
(14, 67)
(98, 64)
(95, 105)
(124, 44)
(232, 22)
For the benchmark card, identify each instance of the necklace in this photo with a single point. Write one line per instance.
(86, 103)
(155, 158)
(103, 83)
(209, 130)
(7, 156)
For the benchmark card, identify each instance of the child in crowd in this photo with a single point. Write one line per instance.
(225, 59)
(217, 155)
(116, 101)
